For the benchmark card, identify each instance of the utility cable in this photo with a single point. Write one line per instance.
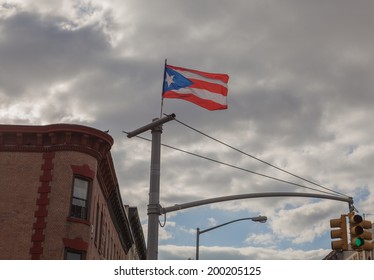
(235, 167)
(258, 159)
(164, 223)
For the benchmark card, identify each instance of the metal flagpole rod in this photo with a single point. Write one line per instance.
(154, 208)
(163, 89)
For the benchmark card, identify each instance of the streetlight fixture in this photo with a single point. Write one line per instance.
(260, 219)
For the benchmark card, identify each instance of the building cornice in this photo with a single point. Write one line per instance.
(55, 137)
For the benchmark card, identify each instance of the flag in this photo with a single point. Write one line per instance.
(208, 90)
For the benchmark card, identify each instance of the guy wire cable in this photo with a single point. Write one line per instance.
(235, 167)
(258, 159)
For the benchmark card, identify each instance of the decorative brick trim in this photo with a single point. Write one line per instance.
(75, 220)
(75, 244)
(83, 170)
(42, 203)
(55, 137)
(40, 223)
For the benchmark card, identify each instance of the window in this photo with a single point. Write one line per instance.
(104, 246)
(79, 203)
(97, 222)
(101, 231)
(111, 248)
(74, 255)
(108, 246)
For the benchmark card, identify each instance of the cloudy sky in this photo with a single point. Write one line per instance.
(300, 97)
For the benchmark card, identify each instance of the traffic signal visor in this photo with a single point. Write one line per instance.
(340, 232)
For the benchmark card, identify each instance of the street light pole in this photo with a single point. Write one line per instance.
(261, 219)
(154, 195)
(197, 242)
(154, 208)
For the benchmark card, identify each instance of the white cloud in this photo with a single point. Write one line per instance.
(259, 240)
(167, 252)
(212, 222)
(304, 223)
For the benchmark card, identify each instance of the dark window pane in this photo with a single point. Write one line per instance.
(79, 207)
(73, 255)
(80, 188)
(78, 211)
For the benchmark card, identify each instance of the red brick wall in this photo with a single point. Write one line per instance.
(22, 174)
(37, 167)
(19, 183)
(58, 224)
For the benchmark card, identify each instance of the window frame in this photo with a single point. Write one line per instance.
(77, 252)
(87, 201)
(97, 215)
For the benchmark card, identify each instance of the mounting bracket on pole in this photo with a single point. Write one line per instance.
(155, 123)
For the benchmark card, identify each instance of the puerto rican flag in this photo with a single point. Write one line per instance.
(208, 90)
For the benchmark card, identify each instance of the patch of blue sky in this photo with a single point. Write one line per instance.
(233, 235)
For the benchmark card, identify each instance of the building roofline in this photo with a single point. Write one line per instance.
(55, 137)
(57, 128)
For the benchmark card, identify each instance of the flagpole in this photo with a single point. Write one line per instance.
(162, 106)
(163, 89)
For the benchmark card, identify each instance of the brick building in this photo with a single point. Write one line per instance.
(60, 197)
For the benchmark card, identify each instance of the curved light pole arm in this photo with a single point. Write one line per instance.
(182, 206)
(238, 220)
(261, 219)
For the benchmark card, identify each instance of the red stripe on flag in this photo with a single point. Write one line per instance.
(215, 88)
(205, 103)
(221, 77)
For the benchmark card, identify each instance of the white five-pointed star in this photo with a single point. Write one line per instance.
(169, 79)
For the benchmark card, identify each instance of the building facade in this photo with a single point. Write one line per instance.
(60, 197)
(349, 255)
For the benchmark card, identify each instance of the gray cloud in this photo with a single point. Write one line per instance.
(300, 95)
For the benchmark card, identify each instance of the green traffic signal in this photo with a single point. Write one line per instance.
(361, 237)
(359, 242)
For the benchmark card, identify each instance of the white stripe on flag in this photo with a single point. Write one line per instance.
(191, 75)
(204, 94)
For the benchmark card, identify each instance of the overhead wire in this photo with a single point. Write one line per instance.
(234, 166)
(258, 159)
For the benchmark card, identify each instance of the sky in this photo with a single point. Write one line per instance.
(300, 97)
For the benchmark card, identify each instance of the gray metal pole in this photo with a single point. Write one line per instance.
(197, 243)
(182, 206)
(154, 195)
(154, 208)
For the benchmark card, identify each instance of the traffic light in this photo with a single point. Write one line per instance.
(340, 232)
(361, 238)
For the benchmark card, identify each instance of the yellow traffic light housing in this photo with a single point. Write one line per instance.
(340, 232)
(361, 238)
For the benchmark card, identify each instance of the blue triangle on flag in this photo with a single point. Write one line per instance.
(175, 80)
